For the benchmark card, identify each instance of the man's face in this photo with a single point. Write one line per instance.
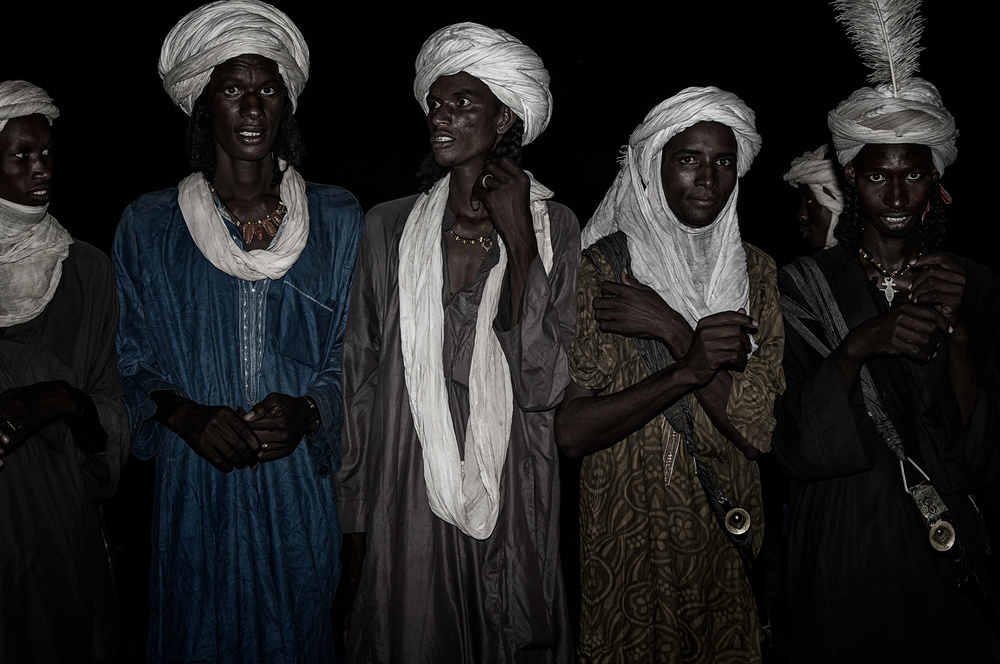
(245, 102)
(814, 219)
(894, 185)
(26, 160)
(699, 172)
(466, 120)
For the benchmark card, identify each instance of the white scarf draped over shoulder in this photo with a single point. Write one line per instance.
(697, 271)
(465, 494)
(213, 238)
(33, 247)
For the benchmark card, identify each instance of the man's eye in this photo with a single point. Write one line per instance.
(46, 152)
(232, 91)
(725, 161)
(433, 104)
(913, 177)
(20, 155)
(876, 177)
(268, 90)
(686, 159)
(462, 101)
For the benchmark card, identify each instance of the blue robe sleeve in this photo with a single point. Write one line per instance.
(136, 361)
(340, 249)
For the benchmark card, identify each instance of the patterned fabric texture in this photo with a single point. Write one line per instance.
(660, 581)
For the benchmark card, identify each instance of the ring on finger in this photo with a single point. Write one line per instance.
(488, 175)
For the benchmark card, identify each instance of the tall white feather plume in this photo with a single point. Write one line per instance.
(886, 34)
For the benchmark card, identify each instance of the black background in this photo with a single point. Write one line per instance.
(119, 135)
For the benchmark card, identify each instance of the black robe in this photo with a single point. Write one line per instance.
(57, 590)
(864, 582)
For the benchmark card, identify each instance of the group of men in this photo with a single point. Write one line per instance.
(357, 419)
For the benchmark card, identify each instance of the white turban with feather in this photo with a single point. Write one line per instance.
(915, 114)
(219, 31)
(697, 271)
(512, 71)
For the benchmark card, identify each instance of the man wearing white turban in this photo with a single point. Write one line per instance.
(889, 422)
(63, 426)
(821, 203)
(454, 359)
(671, 304)
(234, 289)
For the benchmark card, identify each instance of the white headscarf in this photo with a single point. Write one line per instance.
(219, 31)
(697, 271)
(818, 173)
(512, 71)
(466, 493)
(874, 115)
(33, 245)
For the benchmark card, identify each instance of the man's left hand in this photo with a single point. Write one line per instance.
(633, 309)
(939, 280)
(504, 189)
(279, 422)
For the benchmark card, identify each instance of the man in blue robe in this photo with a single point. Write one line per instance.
(234, 289)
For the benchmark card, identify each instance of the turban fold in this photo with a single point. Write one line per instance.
(20, 98)
(916, 115)
(819, 174)
(697, 271)
(218, 31)
(512, 71)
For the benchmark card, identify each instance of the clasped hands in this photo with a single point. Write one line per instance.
(229, 438)
(720, 340)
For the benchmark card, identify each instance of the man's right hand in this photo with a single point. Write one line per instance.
(216, 433)
(910, 330)
(721, 341)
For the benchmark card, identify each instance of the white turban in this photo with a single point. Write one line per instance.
(512, 71)
(819, 174)
(20, 98)
(222, 30)
(697, 271)
(874, 115)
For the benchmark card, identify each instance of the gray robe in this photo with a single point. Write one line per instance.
(430, 593)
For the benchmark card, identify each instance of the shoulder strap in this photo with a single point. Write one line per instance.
(819, 305)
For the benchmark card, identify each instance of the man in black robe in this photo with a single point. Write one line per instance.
(874, 577)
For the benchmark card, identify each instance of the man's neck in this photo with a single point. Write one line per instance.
(469, 220)
(243, 180)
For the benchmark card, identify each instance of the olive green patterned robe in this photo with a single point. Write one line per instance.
(660, 581)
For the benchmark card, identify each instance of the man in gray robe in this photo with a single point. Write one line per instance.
(454, 359)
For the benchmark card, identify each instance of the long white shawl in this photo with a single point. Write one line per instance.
(465, 494)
